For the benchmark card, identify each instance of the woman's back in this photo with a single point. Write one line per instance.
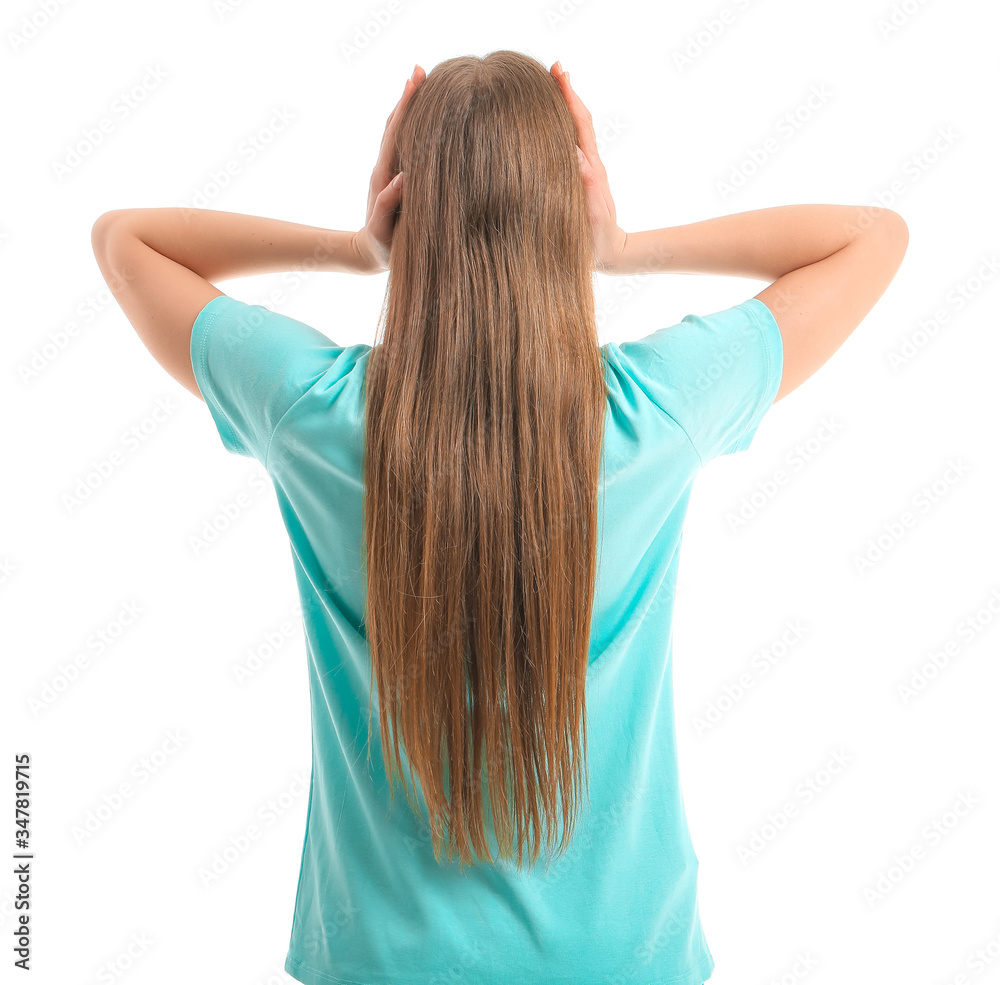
(373, 904)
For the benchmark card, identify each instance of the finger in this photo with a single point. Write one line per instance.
(390, 196)
(586, 171)
(412, 83)
(585, 134)
(383, 166)
(383, 216)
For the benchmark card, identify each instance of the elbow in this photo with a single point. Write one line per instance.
(897, 220)
(897, 224)
(101, 226)
(899, 232)
(99, 231)
(889, 230)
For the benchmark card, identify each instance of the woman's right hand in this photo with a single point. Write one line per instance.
(609, 238)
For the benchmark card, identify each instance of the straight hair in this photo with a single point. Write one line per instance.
(484, 422)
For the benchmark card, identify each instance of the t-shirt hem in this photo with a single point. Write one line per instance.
(308, 975)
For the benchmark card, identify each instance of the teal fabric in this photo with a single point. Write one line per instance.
(372, 905)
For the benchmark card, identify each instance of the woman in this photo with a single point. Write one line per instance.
(485, 513)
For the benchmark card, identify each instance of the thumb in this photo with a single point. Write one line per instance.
(383, 217)
(585, 169)
(389, 198)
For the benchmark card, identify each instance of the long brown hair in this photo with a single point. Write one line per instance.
(485, 409)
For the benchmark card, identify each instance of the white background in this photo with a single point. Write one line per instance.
(681, 109)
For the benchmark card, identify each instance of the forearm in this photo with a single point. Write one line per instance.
(763, 244)
(224, 245)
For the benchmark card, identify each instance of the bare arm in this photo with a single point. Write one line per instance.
(225, 245)
(161, 265)
(764, 244)
(829, 265)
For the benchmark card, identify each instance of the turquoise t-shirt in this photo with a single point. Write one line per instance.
(372, 905)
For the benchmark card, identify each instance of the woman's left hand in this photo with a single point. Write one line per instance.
(371, 244)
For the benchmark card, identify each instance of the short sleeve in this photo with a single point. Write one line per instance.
(251, 365)
(715, 375)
